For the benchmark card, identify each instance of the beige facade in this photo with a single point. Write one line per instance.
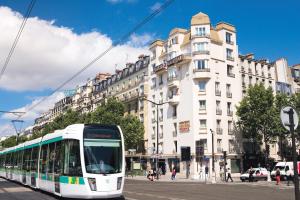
(129, 85)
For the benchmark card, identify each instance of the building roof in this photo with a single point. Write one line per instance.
(186, 39)
(200, 19)
(157, 42)
(226, 26)
(214, 36)
(297, 66)
(177, 30)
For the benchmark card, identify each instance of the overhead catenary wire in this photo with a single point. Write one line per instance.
(29, 9)
(124, 37)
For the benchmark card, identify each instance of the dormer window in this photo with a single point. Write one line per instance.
(174, 40)
(200, 31)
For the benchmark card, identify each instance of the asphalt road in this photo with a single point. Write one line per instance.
(146, 190)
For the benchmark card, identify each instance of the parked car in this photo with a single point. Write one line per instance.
(259, 174)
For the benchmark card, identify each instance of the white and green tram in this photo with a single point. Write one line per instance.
(81, 161)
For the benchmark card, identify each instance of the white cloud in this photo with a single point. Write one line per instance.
(155, 6)
(140, 40)
(47, 55)
(6, 130)
(37, 110)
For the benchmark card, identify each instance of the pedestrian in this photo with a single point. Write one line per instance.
(277, 176)
(173, 176)
(251, 171)
(229, 175)
(289, 177)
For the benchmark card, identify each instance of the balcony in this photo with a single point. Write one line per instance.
(256, 72)
(230, 58)
(232, 150)
(179, 60)
(153, 120)
(262, 74)
(229, 42)
(218, 92)
(249, 71)
(219, 131)
(230, 131)
(218, 111)
(229, 113)
(201, 52)
(160, 68)
(243, 85)
(174, 99)
(174, 133)
(173, 82)
(229, 94)
(153, 136)
(202, 73)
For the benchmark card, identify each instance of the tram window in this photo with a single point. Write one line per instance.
(20, 163)
(58, 158)
(51, 157)
(72, 165)
(7, 161)
(14, 158)
(44, 155)
(26, 160)
(34, 157)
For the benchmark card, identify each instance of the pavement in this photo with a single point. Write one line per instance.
(180, 189)
(180, 178)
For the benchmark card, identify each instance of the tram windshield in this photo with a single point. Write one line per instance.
(102, 150)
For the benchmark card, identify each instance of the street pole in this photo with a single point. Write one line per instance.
(296, 180)
(157, 176)
(213, 155)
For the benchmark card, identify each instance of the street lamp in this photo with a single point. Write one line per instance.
(156, 104)
(213, 153)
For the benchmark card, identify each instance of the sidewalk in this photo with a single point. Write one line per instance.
(181, 178)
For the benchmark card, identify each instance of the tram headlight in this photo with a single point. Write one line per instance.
(92, 183)
(119, 183)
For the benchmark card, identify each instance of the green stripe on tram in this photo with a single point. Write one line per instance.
(65, 179)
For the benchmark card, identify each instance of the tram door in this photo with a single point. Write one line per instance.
(57, 166)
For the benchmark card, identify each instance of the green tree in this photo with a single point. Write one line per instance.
(281, 100)
(256, 113)
(133, 131)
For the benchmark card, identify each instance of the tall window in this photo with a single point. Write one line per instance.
(229, 70)
(200, 46)
(229, 53)
(202, 85)
(202, 104)
(200, 31)
(203, 143)
(218, 104)
(228, 88)
(203, 123)
(230, 127)
(228, 38)
(219, 145)
(174, 111)
(160, 79)
(201, 64)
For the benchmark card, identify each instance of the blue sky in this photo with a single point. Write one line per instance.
(269, 29)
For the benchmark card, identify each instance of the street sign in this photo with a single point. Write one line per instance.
(284, 116)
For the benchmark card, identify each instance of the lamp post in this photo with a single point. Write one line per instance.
(156, 104)
(213, 153)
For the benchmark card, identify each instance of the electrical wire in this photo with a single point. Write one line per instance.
(29, 9)
(124, 37)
